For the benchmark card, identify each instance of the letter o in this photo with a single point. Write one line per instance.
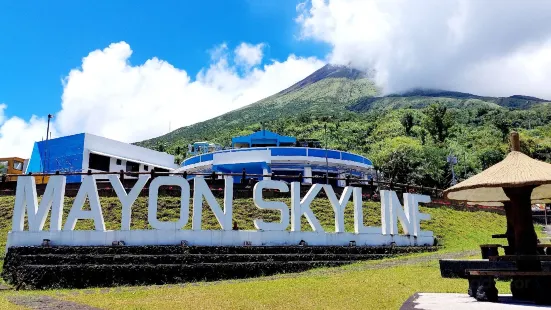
(153, 201)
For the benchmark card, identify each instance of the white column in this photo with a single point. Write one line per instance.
(341, 183)
(307, 174)
(265, 171)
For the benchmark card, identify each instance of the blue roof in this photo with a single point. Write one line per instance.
(264, 137)
(64, 154)
(285, 151)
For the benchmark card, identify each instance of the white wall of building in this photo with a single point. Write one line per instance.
(117, 150)
(252, 156)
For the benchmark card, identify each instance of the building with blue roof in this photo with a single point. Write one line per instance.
(262, 138)
(84, 151)
(265, 152)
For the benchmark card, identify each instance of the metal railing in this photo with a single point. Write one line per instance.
(284, 151)
(249, 177)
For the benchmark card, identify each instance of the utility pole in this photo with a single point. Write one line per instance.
(50, 116)
(452, 160)
(326, 156)
(465, 165)
(46, 153)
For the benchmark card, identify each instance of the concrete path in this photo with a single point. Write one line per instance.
(446, 301)
(47, 303)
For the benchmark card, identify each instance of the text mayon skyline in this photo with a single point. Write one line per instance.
(487, 48)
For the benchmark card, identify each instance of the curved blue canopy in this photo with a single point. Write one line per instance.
(264, 138)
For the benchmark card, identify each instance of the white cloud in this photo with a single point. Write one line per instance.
(3, 107)
(110, 97)
(491, 48)
(17, 135)
(249, 55)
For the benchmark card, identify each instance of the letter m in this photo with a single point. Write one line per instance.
(26, 202)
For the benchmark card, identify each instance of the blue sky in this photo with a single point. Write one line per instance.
(132, 70)
(41, 41)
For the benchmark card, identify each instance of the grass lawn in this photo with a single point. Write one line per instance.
(351, 287)
(357, 286)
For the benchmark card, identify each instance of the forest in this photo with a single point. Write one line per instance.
(410, 145)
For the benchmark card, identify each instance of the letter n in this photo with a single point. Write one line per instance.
(391, 213)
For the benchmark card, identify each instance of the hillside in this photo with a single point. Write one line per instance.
(328, 90)
(408, 136)
(420, 98)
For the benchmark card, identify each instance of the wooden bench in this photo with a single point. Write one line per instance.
(544, 248)
(509, 273)
(530, 285)
(488, 250)
(514, 258)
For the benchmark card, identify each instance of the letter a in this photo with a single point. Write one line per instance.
(88, 189)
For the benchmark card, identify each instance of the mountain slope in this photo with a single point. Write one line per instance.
(330, 91)
(419, 98)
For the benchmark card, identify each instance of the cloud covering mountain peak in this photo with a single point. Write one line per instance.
(495, 48)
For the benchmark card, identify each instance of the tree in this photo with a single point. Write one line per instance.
(423, 136)
(432, 170)
(304, 118)
(407, 121)
(161, 147)
(504, 126)
(437, 121)
(178, 159)
(397, 158)
(178, 150)
(490, 157)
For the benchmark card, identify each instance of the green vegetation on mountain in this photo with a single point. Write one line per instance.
(408, 136)
(326, 93)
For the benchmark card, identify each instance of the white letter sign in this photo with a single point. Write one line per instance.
(127, 199)
(166, 232)
(88, 189)
(271, 205)
(338, 205)
(26, 200)
(200, 190)
(153, 201)
(302, 207)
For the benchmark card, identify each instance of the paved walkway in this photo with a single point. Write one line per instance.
(47, 303)
(446, 301)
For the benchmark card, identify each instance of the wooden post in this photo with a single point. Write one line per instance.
(521, 213)
(510, 233)
(515, 141)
